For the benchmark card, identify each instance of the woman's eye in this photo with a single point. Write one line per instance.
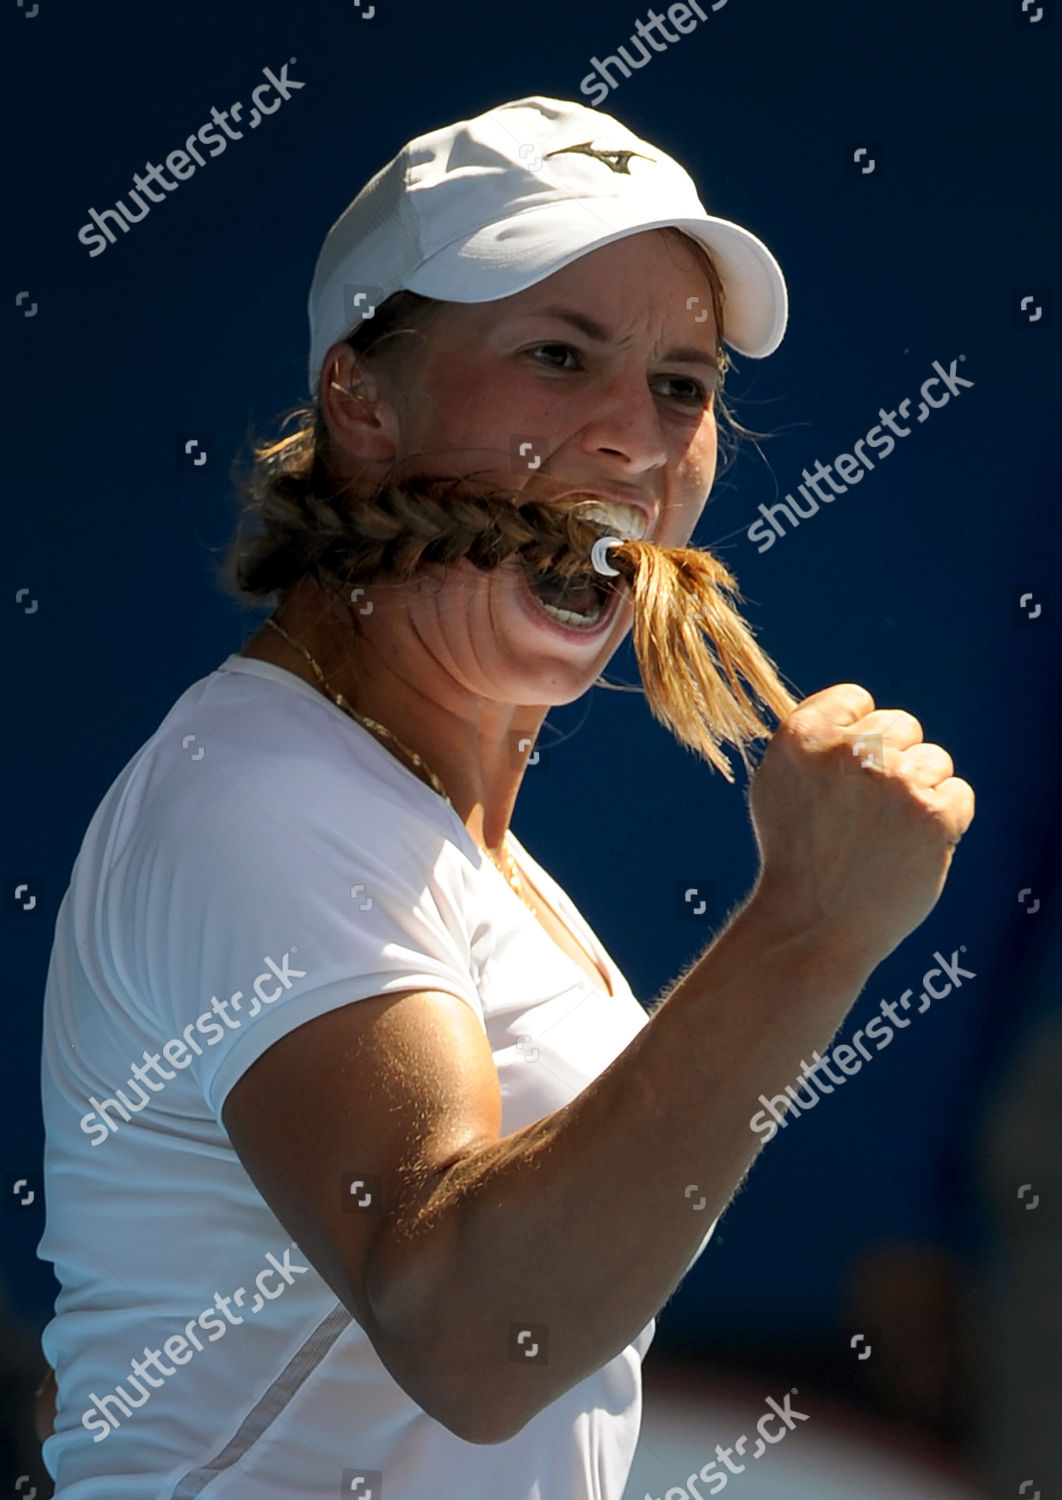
(694, 394)
(551, 351)
(681, 388)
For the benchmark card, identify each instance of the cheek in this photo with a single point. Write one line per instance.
(698, 469)
(481, 409)
(689, 498)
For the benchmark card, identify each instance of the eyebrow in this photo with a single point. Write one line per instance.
(594, 330)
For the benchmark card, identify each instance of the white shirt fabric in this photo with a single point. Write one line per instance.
(260, 861)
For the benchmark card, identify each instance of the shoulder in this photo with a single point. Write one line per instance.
(248, 766)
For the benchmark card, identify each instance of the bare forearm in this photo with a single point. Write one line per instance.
(581, 1224)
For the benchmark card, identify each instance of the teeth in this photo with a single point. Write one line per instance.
(625, 520)
(570, 617)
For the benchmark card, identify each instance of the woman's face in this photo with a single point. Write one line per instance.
(605, 371)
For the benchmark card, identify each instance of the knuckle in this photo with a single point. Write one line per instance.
(929, 756)
(801, 721)
(801, 725)
(852, 696)
(949, 806)
(964, 800)
(840, 695)
(898, 719)
(854, 690)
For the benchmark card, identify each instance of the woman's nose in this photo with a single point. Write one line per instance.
(624, 424)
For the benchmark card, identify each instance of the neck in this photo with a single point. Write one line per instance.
(478, 758)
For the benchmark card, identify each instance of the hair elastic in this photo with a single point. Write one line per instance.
(597, 554)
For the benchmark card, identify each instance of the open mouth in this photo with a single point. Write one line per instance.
(579, 602)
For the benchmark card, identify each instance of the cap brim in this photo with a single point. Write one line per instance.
(502, 259)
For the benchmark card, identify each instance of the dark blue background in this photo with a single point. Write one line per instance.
(195, 322)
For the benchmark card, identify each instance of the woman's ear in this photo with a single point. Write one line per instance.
(362, 423)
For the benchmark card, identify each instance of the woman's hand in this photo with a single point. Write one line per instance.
(853, 851)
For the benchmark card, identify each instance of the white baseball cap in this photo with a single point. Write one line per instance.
(487, 207)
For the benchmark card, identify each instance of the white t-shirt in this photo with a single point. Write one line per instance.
(260, 861)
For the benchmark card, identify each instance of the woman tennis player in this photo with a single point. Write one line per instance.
(366, 1172)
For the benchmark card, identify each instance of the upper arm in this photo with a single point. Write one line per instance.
(386, 1091)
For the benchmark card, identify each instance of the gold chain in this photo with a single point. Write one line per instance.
(512, 874)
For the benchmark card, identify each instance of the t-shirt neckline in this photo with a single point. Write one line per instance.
(256, 667)
(272, 672)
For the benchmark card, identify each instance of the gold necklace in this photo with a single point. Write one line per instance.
(512, 874)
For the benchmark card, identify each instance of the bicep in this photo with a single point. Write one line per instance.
(384, 1092)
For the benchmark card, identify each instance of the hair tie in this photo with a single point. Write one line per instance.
(597, 554)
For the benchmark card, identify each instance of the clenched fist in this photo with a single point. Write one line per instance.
(851, 852)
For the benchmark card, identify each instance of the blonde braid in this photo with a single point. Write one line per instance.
(692, 645)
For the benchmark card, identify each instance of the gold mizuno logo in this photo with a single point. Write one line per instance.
(616, 161)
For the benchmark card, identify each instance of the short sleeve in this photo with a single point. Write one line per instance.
(242, 906)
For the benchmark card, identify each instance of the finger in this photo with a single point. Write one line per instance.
(954, 803)
(842, 703)
(896, 726)
(926, 764)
